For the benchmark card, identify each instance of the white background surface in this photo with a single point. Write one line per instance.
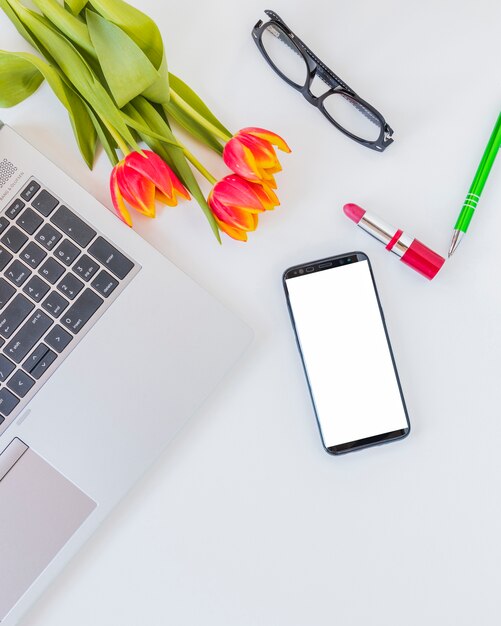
(246, 520)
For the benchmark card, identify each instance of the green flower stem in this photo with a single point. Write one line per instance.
(196, 116)
(196, 163)
(116, 136)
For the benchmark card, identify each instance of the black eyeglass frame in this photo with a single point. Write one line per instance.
(317, 68)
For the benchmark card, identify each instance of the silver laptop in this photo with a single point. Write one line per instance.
(106, 349)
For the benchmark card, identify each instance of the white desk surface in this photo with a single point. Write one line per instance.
(246, 520)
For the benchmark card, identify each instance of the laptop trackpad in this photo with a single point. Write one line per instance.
(39, 511)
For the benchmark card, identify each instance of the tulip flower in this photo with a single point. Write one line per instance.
(140, 179)
(236, 202)
(251, 154)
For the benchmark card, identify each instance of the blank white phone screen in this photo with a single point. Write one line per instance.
(346, 353)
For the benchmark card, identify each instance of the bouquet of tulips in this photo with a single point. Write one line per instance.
(105, 62)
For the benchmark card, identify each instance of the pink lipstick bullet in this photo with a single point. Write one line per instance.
(411, 251)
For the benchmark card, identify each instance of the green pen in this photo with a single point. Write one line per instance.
(473, 195)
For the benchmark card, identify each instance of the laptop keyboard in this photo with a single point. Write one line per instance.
(57, 276)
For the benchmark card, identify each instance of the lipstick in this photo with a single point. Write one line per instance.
(410, 250)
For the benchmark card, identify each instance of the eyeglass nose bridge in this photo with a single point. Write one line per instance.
(307, 92)
(310, 97)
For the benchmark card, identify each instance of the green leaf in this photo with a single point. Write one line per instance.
(140, 127)
(18, 79)
(75, 6)
(77, 71)
(140, 28)
(24, 32)
(187, 95)
(109, 144)
(82, 125)
(159, 91)
(83, 128)
(67, 23)
(192, 126)
(125, 67)
(143, 111)
(146, 35)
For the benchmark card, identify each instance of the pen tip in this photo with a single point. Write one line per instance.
(456, 239)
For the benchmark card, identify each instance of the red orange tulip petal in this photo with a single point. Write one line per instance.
(137, 190)
(267, 197)
(169, 201)
(249, 160)
(151, 166)
(234, 233)
(237, 192)
(117, 199)
(231, 215)
(179, 188)
(263, 152)
(273, 138)
(241, 160)
(269, 179)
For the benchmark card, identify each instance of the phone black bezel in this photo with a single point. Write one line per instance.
(319, 266)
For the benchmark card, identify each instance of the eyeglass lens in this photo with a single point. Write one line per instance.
(353, 116)
(347, 112)
(284, 55)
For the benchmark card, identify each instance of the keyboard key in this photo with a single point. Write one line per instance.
(8, 402)
(55, 304)
(111, 258)
(14, 314)
(36, 288)
(104, 283)
(51, 270)
(24, 340)
(33, 255)
(15, 208)
(30, 191)
(43, 365)
(38, 353)
(73, 226)
(44, 203)
(66, 252)
(58, 338)
(4, 222)
(48, 236)
(6, 292)
(17, 273)
(14, 239)
(70, 286)
(6, 368)
(5, 257)
(81, 311)
(20, 383)
(85, 267)
(29, 221)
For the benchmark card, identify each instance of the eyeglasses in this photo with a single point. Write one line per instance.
(298, 66)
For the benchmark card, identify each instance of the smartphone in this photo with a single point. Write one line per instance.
(347, 357)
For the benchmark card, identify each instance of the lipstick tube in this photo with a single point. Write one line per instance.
(410, 250)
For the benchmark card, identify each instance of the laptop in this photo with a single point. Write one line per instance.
(106, 349)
